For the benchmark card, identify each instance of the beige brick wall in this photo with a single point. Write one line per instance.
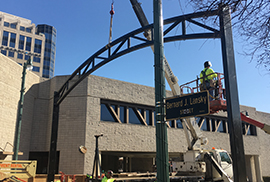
(10, 86)
(79, 121)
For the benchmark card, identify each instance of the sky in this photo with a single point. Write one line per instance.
(83, 28)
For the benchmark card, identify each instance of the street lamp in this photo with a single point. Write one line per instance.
(29, 66)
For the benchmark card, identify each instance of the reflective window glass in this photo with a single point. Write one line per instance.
(204, 126)
(45, 73)
(5, 38)
(179, 124)
(221, 127)
(12, 40)
(38, 44)
(105, 115)
(10, 53)
(122, 114)
(20, 56)
(248, 132)
(36, 59)
(133, 119)
(46, 67)
(36, 69)
(21, 42)
(6, 24)
(4, 52)
(47, 54)
(48, 36)
(28, 30)
(46, 63)
(28, 43)
(148, 119)
(22, 28)
(13, 25)
(48, 46)
(225, 157)
(51, 74)
(26, 57)
(54, 38)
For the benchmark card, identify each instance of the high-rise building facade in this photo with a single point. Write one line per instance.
(20, 40)
(49, 52)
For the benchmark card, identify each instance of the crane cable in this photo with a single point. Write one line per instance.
(111, 13)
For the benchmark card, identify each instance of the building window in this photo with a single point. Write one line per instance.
(6, 24)
(12, 40)
(36, 69)
(37, 46)
(21, 42)
(5, 38)
(28, 30)
(45, 73)
(22, 28)
(20, 56)
(47, 54)
(28, 43)
(248, 129)
(221, 126)
(4, 52)
(26, 57)
(36, 59)
(178, 124)
(51, 74)
(13, 25)
(10, 53)
(121, 112)
(105, 114)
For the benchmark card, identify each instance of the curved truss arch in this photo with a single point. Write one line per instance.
(116, 48)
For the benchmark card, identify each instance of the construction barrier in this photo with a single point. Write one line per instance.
(17, 170)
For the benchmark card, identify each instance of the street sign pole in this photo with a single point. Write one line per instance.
(162, 158)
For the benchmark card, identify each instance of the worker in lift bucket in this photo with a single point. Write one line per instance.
(207, 76)
(108, 177)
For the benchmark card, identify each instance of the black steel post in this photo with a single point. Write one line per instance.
(233, 109)
(162, 156)
(54, 132)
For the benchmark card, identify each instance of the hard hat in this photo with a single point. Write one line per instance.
(207, 63)
(110, 172)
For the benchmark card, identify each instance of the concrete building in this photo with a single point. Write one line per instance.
(10, 85)
(124, 113)
(21, 39)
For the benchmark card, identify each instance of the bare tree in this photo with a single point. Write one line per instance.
(252, 20)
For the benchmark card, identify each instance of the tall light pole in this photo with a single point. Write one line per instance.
(27, 65)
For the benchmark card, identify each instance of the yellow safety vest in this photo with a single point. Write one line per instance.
(105, 179)
(207, 71)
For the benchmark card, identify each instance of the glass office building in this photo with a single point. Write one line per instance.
(49, 53)
(20, 40)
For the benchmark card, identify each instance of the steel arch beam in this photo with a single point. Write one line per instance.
(115, 49)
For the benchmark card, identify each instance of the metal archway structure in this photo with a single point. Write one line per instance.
(116, 49)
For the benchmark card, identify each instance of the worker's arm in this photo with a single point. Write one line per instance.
(211, 74)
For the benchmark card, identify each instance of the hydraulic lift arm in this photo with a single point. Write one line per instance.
(263, 126)
(170, 77)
